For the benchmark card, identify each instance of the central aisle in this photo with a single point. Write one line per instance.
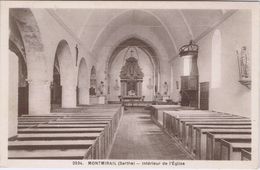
(139, 138)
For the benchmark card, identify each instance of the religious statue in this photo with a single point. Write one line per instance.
(92, 91)
(165, 88)
(150, 85)
(116, 87)
(158, 97)
(101, 88)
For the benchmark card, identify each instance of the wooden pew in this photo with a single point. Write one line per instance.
(99, 149)
(184, 130)
(192, 131)
(61, 130)
(157, 112)
(177, 121)
(66, 135)
(52, 144)
(187, 130)
(71, 154)
(57, 149)
(230, 150)
(57, 136)
(213, 143)
(72, 125)
(201, 138)
(30, 122)
(245, 154)
(172, 123)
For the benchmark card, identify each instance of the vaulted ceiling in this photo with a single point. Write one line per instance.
(173, 27)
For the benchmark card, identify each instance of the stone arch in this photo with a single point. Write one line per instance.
(33, 50)
(31, 38)
(56, 89)
(16, 46)
(65, 68)
(125, 16)
(145, 46)
(82, 88)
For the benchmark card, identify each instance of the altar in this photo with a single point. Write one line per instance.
(126, 100)
(131, 78)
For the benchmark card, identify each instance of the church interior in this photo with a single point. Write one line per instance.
(147, 84)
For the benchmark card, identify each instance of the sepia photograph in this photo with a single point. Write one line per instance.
(117, 85)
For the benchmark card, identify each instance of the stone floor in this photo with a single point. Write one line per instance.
(139, 138)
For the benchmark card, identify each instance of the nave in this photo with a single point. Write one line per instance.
(138, 137)
(177, 86)
(158, 132)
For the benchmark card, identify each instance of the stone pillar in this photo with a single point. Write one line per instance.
(39, 97)
(83, 95)
(68, 96)
(13, 95)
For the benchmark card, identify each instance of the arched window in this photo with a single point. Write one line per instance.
(216, 60)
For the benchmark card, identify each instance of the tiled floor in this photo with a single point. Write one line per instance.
(139, 138)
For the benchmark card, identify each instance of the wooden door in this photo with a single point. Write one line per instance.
(204, 95)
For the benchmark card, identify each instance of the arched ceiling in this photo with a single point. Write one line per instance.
(173, 27)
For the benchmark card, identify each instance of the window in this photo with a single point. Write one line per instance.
(216, 60)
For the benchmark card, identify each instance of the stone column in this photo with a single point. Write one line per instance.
(39, 97)
(68, 96)
(13, 95)
(83, 95)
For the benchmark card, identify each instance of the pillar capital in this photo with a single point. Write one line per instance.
(38, 82)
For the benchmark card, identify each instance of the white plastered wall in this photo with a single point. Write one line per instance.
(231, 96)
(13, 94)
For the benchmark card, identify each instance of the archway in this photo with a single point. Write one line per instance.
(151, 75)
(18, 75)
(17, 47)
(82, 89)
(23, 95)
(63, 76)
(93, 86)
(32, 48)
(56, 89)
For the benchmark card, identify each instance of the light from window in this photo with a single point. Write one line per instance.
(216, 60)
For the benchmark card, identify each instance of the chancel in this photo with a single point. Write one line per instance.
(131, 77)
(156, 84)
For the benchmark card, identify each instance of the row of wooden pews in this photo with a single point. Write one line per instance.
(85, 133)
(157, 111)
(210, 135)
(207, 135)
